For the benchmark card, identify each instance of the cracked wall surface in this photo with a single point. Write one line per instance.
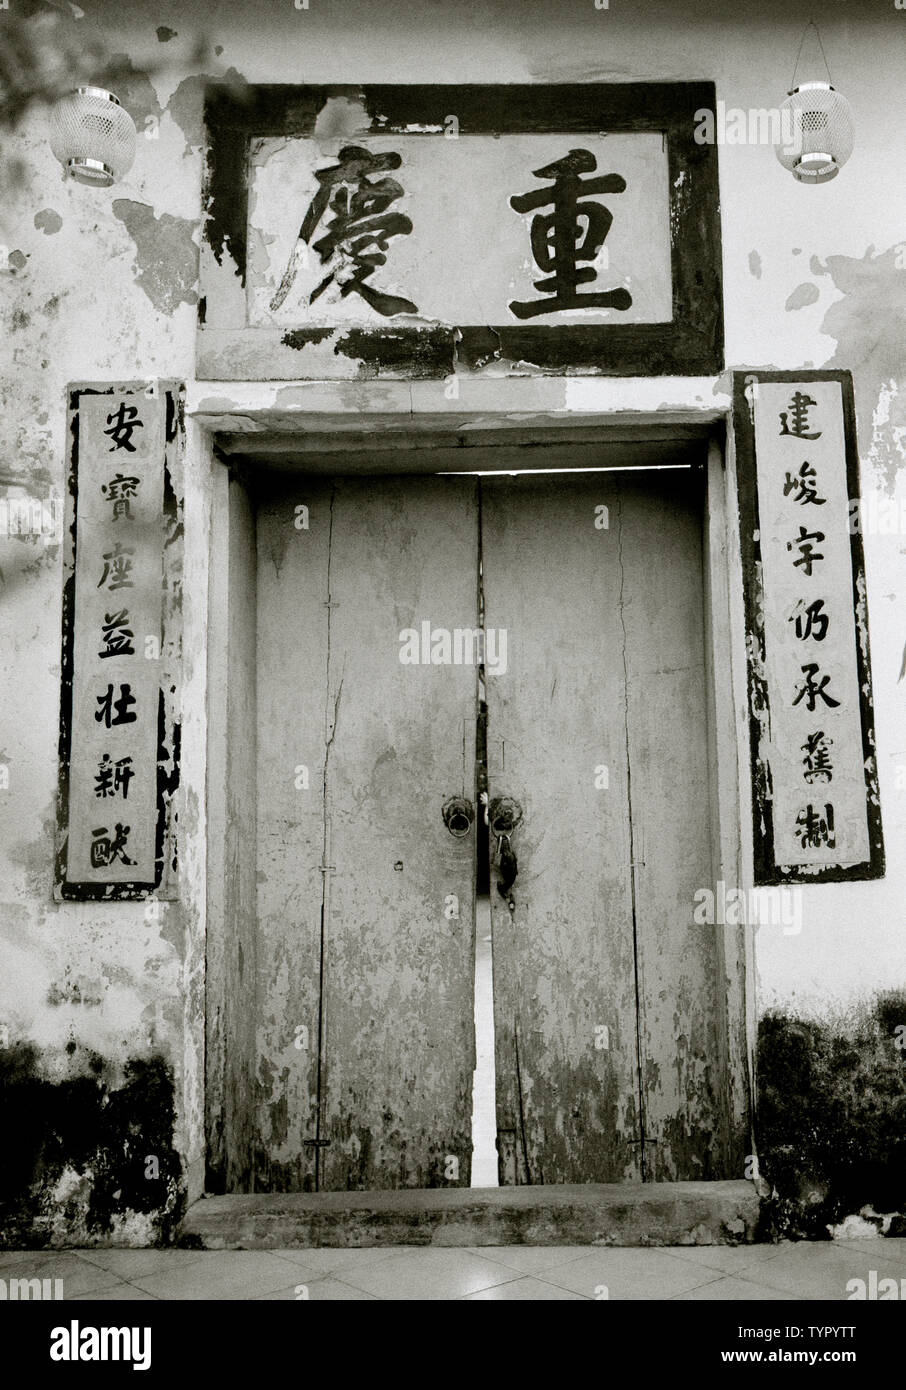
(103, 285)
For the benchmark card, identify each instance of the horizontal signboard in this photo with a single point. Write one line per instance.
(415, 231)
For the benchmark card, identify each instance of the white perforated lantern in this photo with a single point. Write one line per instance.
(817, 132)
(92, 136)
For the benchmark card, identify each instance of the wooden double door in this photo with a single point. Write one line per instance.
(387, 610)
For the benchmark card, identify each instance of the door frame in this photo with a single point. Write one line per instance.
(397, 428)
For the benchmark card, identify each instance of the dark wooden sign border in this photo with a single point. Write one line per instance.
(766, 872)
(691, 344)
(164, 884)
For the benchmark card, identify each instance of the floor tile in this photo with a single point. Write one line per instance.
(636, 1274)
(128, 1264)
(429, 1274)
(9, 1258)
(821, 1269)
(530, 1259)
(525, 1288)
(728, 1258)
(322, 1291)
(116, 1293)
(321, 1262)
(732, 1290)
(78, 1275)
(221, 1274)
(787, 1271)
(888, 1248)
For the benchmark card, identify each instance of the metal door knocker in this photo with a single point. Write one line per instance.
(504, 814)
(458, 816)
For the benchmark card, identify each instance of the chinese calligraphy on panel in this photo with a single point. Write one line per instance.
(116, 640)
(814, 748)
(548, 229)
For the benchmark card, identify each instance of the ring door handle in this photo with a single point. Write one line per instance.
(504, 814)
(458, 814)
(508, 867)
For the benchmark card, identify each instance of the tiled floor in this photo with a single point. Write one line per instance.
(753, 1273)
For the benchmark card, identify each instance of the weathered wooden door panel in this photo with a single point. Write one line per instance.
(389, 958)
(564, 975)
(608, 1038)
(610, 1047)
(292, 661)
(681, 1024)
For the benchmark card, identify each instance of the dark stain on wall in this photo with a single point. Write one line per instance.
(300, 337)
(103, 1132)
(831, 1120)
(424, 352)
(483, 347)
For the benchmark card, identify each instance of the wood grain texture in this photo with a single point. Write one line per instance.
(682, 1017)
(606, 669)
(232, 925)
(389, 744)
(292, 662)
(563, 959)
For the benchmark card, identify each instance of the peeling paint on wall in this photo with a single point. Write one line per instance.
(166, 254)
(867, 324)
(802, 296)
(341, 118)
(136, 91)
(186, 107)
(48, 221)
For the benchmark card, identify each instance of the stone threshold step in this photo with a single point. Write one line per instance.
(678, 1213)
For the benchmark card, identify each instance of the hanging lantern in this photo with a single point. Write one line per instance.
(92, 136)
(819, 132)
(816, 124)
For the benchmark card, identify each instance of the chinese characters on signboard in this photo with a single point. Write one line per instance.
(112, 789)
(569, 228)
(816, 812)
(560, 229)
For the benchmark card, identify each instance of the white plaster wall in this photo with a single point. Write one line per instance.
(92, 315)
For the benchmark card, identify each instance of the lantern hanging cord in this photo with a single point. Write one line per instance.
(811, 25)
